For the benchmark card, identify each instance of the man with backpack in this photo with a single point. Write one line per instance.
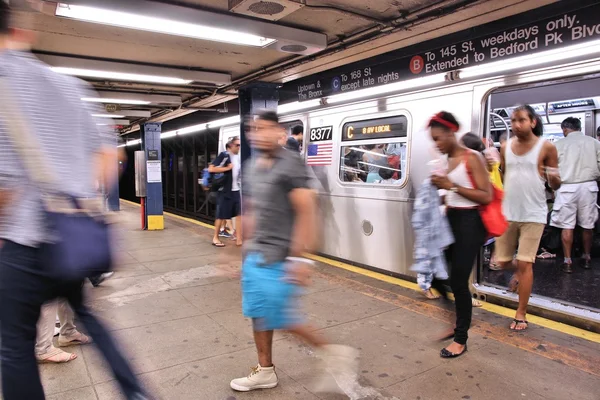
(228, 195)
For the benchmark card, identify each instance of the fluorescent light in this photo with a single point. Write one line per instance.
(134, 142)
(165, 135)
(191, 129)
(108, 116)
(225, 121)
(159, 25)
(115, 101)
(90, 73)
(550, 56)
(297, 106)
(385, 89)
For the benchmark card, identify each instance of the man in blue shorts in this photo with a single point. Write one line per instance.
(228, 198)
(280, 210)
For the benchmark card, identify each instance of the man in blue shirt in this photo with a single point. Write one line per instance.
(228, 200)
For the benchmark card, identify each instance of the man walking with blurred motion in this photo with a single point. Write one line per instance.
(280, 213)
(575, 203)
(36, 98)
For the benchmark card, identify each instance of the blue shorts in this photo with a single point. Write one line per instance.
(267, 297)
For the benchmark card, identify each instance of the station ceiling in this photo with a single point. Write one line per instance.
(353, 30)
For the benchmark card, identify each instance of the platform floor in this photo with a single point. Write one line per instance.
(177, 314)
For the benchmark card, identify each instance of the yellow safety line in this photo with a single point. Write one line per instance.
(493, 308)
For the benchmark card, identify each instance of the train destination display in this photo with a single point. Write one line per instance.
(382, 128)
(552, 33)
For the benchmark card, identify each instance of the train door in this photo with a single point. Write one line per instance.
(576, 100)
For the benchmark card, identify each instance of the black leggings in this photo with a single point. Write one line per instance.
(469, 235)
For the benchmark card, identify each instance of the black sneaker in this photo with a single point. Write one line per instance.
(567, 268)
(98, 279)
(587, 263)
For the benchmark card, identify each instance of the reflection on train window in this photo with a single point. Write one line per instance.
(383, 163)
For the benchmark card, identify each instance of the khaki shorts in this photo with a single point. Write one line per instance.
(526, 235)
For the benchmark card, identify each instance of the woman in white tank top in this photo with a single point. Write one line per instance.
(468, 186)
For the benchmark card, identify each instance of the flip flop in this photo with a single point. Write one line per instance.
(545, 255)
(56, 356)
(218, 244)
(517, 322)
(77, 339)
(476, 303)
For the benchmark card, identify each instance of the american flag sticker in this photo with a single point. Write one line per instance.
(319, 153)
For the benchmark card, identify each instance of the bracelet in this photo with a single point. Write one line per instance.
(300, 259)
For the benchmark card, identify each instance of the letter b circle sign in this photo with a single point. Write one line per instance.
(417, 64)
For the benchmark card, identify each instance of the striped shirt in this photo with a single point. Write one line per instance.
(66, 132)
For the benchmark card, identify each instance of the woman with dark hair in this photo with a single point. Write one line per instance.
(468, 186)
(374, 158)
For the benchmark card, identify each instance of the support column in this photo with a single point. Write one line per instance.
(154, 197)
(253, 98)
(111, 201)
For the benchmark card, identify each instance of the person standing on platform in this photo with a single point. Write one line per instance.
(35, 98)
(280, 213)
(527, 161)
(575, 203)
(228, 200)
(294, 142)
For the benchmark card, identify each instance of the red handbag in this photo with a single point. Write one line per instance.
(491, 214)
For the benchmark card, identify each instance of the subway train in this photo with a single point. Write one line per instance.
(367, 219)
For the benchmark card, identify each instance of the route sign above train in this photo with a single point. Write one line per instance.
(565, 29)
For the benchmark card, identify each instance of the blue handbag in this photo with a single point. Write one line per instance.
(79, 244)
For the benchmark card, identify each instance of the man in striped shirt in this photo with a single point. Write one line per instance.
(78, 154)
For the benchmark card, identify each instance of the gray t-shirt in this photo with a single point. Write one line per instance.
(268, 191)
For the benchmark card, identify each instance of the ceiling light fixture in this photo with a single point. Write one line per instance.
(546, 57)
(116, 101)
(179, 20)
(298, 106)
(108, 116)
(159, 25)
(92, 68)
(90, 73)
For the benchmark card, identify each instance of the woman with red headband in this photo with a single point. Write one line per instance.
(468, 186)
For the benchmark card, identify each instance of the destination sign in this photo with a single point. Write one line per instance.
(562, 30)
(375, 129)
(563, 105)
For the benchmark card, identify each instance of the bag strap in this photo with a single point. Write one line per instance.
(26, 145)
(469, 174)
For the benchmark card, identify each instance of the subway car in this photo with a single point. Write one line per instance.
(367, 217)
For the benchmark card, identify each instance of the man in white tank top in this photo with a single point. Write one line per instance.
(575, 204)
(527, 162)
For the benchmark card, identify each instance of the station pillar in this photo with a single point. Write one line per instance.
(112, 193)
(154, 196)
(253, 98)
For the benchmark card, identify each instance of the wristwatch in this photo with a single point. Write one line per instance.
(454, 189)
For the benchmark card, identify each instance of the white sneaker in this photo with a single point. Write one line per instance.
(259, 378)
(340, 369)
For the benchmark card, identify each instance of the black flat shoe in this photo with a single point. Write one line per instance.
(448, 354)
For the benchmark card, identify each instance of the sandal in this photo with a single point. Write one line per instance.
(55, 356)
(218, 244)
(476, 303)
(77, 339)
(430, 295)
(516, 323)
(545, 255)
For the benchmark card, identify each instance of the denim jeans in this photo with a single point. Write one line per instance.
(23, 290)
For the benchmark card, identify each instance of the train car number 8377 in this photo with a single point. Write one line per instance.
(321, 134)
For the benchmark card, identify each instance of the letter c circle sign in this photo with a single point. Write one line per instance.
(417, 64)
(336, 84)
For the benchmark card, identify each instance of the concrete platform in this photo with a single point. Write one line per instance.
(175, 309)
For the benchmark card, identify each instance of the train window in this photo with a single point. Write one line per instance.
(378, 162)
